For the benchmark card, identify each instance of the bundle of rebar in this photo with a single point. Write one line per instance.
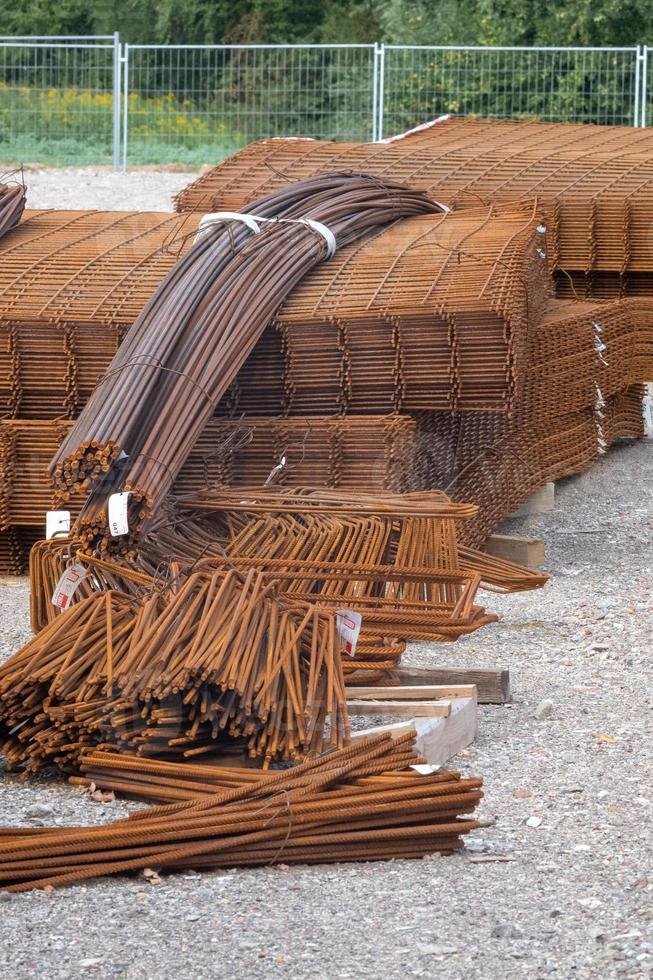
(217, 655)
(362, 803)
(189, 343)
(12, 205)
(595, 184)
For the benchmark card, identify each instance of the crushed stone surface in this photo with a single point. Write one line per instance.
(98, 187)
(559, 883)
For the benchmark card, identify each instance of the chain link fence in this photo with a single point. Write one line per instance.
(93, 100)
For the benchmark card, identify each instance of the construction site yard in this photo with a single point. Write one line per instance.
(559, 881)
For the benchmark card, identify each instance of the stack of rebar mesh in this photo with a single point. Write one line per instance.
(337, 424)
(71, 284)
(576, 384)
(594, 184)
(424, 355)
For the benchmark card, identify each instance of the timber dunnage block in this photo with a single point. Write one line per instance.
(515, 547)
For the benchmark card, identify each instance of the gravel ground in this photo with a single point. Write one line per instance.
(565, 886)
(98, 187)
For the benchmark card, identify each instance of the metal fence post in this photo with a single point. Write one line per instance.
(125, 97)
(643, 91)
(381, 95)
(375, 92)
(117, 52)
(636, 107)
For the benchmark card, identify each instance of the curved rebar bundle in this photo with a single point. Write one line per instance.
(12, 205)
(197, 331)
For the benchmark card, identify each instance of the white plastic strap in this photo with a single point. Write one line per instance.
(219, 216)
(322, 230)
(254, 222)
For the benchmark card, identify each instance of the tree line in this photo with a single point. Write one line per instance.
(486, 22)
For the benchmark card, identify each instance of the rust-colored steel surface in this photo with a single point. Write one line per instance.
(12, 205)
(173, 671)
(189, 343)
(430, 314)
(361, 803)
(71, 284)
(595, 183)
(327, 531)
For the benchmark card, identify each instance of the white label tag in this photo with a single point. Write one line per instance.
(57, 522)
(117, 511)
(348, 624)
(425, 768)
(67, 585)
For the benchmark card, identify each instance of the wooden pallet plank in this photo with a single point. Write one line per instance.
(517, 548)
(400, 709)
(540, 502)
(438, 739)
(414, 692)
(492, 685)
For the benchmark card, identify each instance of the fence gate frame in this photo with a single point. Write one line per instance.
(376, 62)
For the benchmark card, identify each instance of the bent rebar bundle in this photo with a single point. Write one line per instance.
(12, 205)
(362, 803)
(197, 331)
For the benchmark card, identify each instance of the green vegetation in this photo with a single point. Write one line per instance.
(194, 107)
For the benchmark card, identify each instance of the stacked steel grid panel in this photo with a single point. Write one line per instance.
(432, 314)
(71, 284)
(594, 183)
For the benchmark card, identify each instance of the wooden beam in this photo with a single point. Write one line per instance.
(412, 692)
(540, 502)
(492, 685)
(438, 739)
(515, 547)
(401, 709)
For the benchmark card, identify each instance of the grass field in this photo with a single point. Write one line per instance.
(61, 127)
